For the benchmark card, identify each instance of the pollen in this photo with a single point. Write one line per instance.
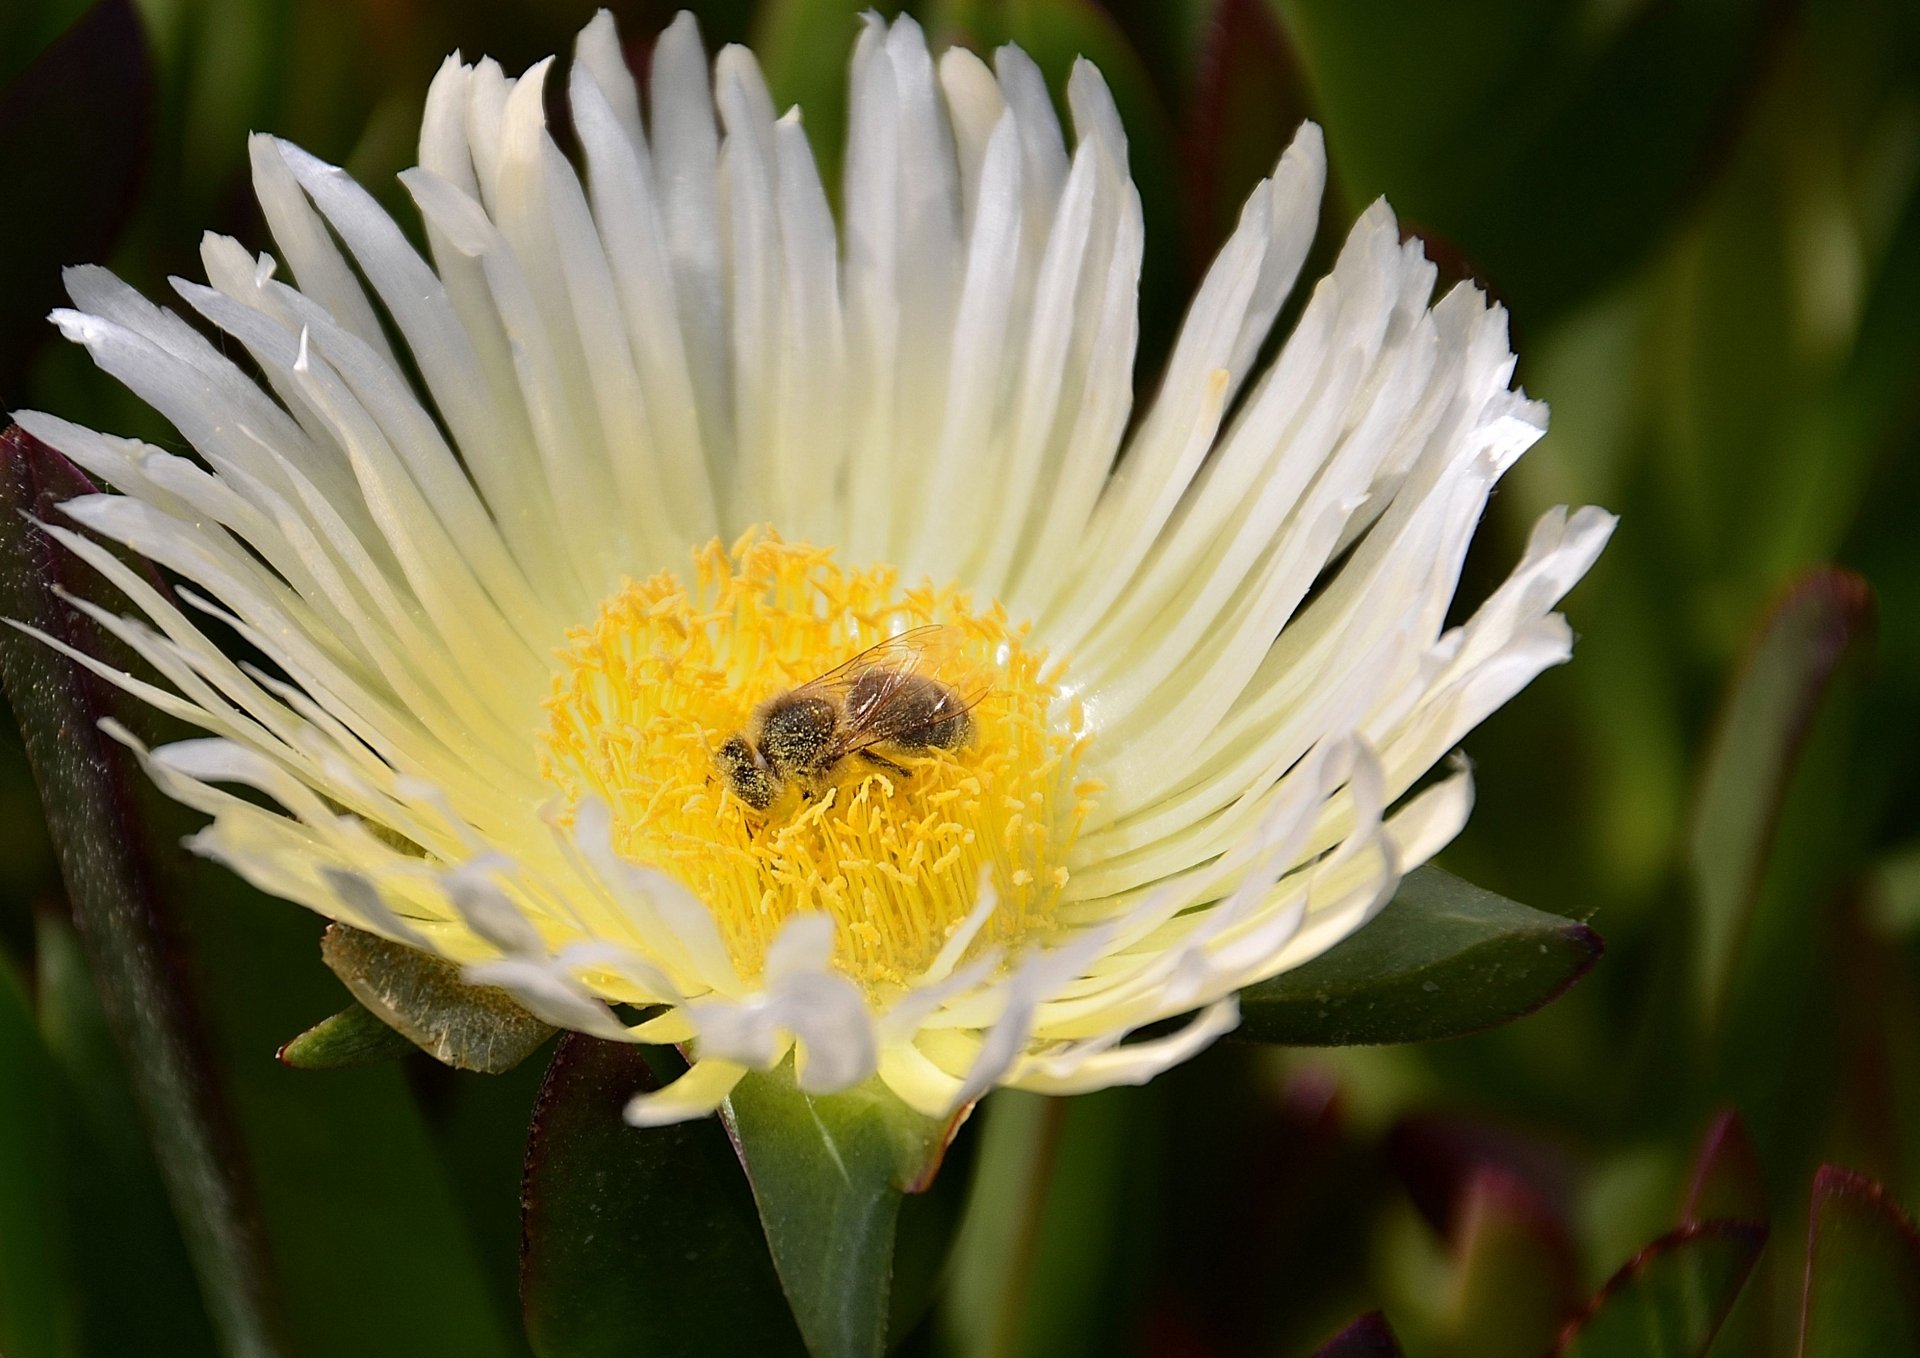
(895, 845)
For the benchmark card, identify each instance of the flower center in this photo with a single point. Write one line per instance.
(786, 735)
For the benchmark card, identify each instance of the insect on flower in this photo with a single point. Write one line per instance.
(889, 697)
(560, 547)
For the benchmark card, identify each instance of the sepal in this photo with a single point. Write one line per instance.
(423, 999)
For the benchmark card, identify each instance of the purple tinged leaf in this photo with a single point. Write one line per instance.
(1670, 1299)
(1761, 733)
(1863, 1272)
(1437, 1156)
(1513, 1282)
(1726, 1183)
(1248, 98)
(1368, 1337)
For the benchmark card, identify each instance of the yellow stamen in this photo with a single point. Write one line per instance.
(667, 673)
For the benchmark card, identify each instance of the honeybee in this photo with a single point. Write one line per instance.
(887, 698)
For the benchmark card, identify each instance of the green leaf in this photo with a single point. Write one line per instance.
(1513, 1282)
(638, 1241)
(828, 1174)
(986, 1299)
(1670, 1299)
(1892, 891)
(1531, 135)
(1726, 1182)
(1727, 1185)
(35, 1306)
(1443, 959)
(1048, 1261)
(422, 997)
(65, 146)
(98, 807)
(1761, 734)
(805, 48)
(1368, 1337)
(1863, 1272)
(352, 1037)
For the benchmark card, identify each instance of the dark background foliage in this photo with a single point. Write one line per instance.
(1705, 217)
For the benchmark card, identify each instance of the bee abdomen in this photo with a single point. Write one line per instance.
(927, 713)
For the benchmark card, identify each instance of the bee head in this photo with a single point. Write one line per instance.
(747, 773)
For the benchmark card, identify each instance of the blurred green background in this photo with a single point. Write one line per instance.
(1705, 218)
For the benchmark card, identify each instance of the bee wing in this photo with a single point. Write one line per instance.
(884, 719)
(871, 687)
(902, 655)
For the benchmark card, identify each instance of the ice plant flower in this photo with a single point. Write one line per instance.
(528, 535)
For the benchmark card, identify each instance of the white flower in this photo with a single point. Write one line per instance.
(506, 640)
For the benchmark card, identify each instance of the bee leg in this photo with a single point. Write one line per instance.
(886, 764)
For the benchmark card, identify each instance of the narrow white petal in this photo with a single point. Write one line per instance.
(695, 1094)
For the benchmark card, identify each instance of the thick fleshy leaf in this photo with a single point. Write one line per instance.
(1437, 1157)
(422, 997)
(925, 1239)
(1368, 1337)
(638, 1240)
(829, 1174)
(1726, 1183)
(1048, 1259)
(1863, 1272)
(1670, 1299)
(989, 1291)
(352, 1037)
(1443, 959)
(100, 813)
(75, 128)
(1513, 1283)
(1762, 732)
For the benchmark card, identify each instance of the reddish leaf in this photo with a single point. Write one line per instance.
(1670, 1299)
(1863, 1272)
(1726, 1183)
(1762, 731)
(1368, 1337)
(1437, 1158)
(1249, 96)
(1514, 1280)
